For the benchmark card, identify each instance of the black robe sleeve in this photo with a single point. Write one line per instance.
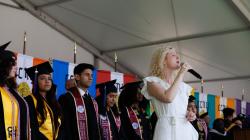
(153, 121)
(2, 125)
(35, 133)
(127, 127)
(69, 126)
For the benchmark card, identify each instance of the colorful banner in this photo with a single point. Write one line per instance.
(243, 107)
(231, 103)
(211, 108)
(238, 106)
(121, 79)
(220, 104)
(23, 81)
(248, 109)
(64, 71)
(203, 104)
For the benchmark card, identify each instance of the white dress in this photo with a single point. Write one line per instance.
(172, 123)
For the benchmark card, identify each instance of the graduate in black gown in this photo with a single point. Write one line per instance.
(109, 115)
(218, 130)
(80, 111)
(134, 120)
(230, 126)
(14, 114)
(199, 124)
(45, 111)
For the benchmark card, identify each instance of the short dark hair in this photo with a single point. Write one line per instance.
(228, 112)
(219, 125)
(81, 67)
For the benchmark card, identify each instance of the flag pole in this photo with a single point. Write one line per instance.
(243, 94)
(116, 60)
(222, 90)
(202, 87)
(75, 53)
(24, 43)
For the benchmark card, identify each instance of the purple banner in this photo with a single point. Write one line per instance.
(238, 106)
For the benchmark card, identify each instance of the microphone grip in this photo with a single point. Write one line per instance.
(197, 75)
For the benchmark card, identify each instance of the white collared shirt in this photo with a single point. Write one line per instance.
(82, 92)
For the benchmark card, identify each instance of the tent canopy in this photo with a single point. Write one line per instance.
(212, 35)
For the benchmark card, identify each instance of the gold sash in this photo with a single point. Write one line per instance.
(11, 114)
(47, 128)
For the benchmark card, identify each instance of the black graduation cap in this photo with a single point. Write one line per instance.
(228, 112)
(133, 85)
(105, 89)
(6, 55)
(128, 95)
(44, 68)
(203, 115)
(4, 46)
(191, 98)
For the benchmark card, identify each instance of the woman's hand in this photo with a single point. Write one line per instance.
(184, 68)
(191, 116)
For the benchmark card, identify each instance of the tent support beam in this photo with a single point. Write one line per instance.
(181, 38)
(221, 79)
(11, 6)
(240, 9)
(51, 3)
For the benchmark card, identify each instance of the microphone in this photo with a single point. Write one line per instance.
(197, 75)
(194, 73)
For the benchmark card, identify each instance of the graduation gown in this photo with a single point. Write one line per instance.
(215, 135)
(116, 131)
(70, 122)
(129, 131)
(201, 128)
(153, 120)
(46, 131)
(22, 118)
(231, 130)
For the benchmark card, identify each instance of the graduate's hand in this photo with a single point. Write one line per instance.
(191, 116)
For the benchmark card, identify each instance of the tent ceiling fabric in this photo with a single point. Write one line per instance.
(112, 24)
(8, 2)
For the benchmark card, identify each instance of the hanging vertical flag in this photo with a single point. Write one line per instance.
(60, 76)
(92, 88)
(196, 95)
(211, 108)
(248, 109)
(220, 104)
(203, 104)
(64, 71)
(23, 61)
(23, 81)
(238, 106)
(223, 104)
(71, 70)
(231, 103)
(121, 79)
(243, 107)
(192, 92)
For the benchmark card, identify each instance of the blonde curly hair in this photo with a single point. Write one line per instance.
(157, 62)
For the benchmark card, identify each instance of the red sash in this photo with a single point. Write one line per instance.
(81, 114)
(106, 129)
(134, 121)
